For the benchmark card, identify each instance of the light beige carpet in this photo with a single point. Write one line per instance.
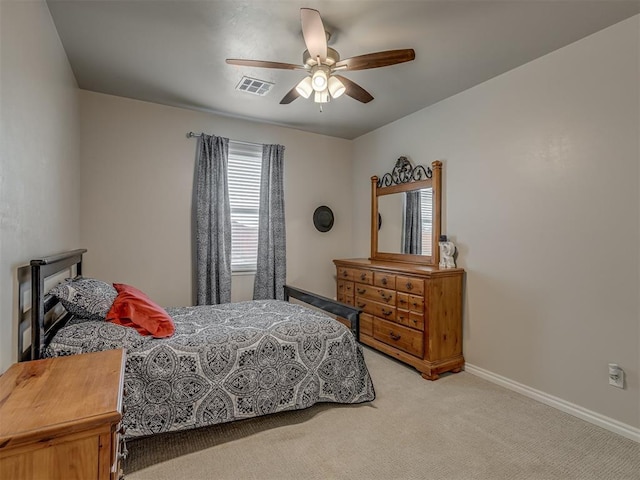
(457, 428)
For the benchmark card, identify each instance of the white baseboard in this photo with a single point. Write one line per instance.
(607, 423)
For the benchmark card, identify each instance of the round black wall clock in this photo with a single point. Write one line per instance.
(323, 218)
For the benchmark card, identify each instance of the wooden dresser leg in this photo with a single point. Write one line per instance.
(430, 376)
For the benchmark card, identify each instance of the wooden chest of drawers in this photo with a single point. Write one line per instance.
(413, 313)
(61, 418)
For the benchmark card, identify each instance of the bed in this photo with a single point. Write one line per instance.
(223, 363)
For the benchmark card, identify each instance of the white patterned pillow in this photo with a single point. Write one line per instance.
(85, 297)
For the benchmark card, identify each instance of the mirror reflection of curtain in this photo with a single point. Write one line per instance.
(212, 221)
(412, 238)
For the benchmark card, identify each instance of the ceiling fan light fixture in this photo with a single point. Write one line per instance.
(304, 88)
(321, 63)
(319, 80)
(336, 87)
(321, 97)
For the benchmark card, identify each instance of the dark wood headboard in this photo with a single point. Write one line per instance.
(41, 316)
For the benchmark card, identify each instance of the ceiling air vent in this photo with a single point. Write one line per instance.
(253, 85)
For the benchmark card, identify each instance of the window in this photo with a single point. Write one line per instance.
(245, 166)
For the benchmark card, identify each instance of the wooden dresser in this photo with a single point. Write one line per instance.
(411, 312)
(60, 418)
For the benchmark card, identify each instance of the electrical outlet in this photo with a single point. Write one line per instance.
(616, 376)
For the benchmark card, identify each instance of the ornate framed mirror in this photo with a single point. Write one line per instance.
(409, 201)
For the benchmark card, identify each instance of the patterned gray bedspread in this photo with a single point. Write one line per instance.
(227, 362)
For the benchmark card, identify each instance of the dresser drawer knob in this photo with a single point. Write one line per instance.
(394, 336)
(386, 313)
(409, 286)
(384, 280)
(361, 291)
(362, 305)
(344, 273)
(386, 298)
(363, 276)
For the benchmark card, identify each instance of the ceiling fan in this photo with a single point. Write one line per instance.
(322, 62)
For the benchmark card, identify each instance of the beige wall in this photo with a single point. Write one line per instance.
(137, 177)
(541, 196)
(39, 167)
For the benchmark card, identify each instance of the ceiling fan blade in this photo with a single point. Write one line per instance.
(354, 90)
(376, 60)
(290, 96)
(313, 32)
(264, 64)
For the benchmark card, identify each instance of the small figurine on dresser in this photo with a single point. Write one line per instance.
(447, 251)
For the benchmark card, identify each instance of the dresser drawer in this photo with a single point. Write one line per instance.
(345, 286)
(378, 294)
(411, 285)
(384, 280)
(376, 309)
(366, 324)
(345, 273)
(348, 299)
(398, 336)
(402, 300)
(351, 274)
(414, 303)
(410, 319)
(363, 276)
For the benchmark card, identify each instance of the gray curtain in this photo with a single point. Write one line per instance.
(412, 224)
(212, 221)
(272, 266)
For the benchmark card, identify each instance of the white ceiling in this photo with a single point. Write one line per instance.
(173, 51)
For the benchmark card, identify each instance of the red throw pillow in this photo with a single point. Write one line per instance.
(132, 308)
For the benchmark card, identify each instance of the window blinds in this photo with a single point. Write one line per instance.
(245, 166)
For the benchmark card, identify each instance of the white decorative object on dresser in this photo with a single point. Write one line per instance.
(447, 252)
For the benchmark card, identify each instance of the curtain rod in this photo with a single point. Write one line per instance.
(192, 135)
